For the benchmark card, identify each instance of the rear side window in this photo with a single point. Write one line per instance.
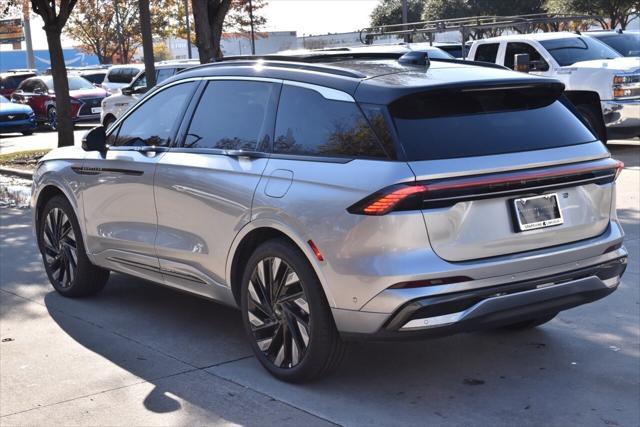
(233, 115)
(12, 82)
(487, 52)
(309, 124)
(462, 123)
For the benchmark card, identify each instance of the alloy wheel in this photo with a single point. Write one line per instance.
(278, 312)
(52, 117)
(60, 248)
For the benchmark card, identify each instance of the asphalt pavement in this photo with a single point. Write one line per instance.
(141, 354)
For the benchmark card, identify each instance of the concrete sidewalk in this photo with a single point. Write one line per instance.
(140, 354)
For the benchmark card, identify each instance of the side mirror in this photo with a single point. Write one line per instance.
(127, 90)
(521, 62)
(95, 140)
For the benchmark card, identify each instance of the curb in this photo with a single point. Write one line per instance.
(20, 173)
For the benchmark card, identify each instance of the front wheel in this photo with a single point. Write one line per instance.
(65, 260)
(27, 132)
(286, 315)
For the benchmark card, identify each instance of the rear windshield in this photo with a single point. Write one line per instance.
(470, 122)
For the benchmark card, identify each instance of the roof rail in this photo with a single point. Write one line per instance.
(317, 61)
(523, 23)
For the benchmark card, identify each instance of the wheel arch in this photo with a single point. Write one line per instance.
(256, 233)
(46, 193)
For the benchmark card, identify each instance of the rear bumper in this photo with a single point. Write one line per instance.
(482, 308)
(622, 118)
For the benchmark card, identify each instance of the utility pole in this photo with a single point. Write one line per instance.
(253, 36)
(405, 19)
(31, 63)
(186, 16)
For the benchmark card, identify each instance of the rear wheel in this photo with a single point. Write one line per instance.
(27, 132)
(531, 323)
(65, 260)
(52, 118)
(593, 116)
(286, 315)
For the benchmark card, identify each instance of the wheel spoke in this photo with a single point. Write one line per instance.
(278, 312)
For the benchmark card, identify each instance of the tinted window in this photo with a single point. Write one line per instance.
(537, 62)
(233, 115)
(12, 82)
(625, 44)
(94, 78)
(567, 51)
(122, 75)
(28, 85)
(487, 52)
(310, 124)
(164, 74)
(141, 81)
(448, 124)
(155, 121)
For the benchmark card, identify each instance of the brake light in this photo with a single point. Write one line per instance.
(386, 201)
(448, 191)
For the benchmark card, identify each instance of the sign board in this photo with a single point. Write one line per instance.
(11, 31)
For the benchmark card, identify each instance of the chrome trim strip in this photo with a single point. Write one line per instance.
(327, 93)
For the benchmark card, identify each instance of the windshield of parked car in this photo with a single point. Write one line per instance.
(568, 51)
(75, 83)
(626, 44)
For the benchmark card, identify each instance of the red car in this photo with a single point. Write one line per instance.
(10, 81)
(38, 93)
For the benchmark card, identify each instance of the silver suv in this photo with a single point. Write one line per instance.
(334, 197)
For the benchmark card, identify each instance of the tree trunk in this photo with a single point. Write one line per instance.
(147, 43)
(208, 20)
(61, 87)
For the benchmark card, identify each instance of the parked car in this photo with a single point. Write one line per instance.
(38, 93)
(94, 75)
(454, 49)
(11, 80)
(626, 43)
(336, 197)
(119, 76)
(602, 84)
(16, 117)
(116, 104)
(400, 48)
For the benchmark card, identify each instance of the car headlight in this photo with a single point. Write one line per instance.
(626, 85)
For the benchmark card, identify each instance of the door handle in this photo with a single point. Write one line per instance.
(245, 153)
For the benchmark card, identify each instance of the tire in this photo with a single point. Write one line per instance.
(593, 116)
(302, 342)
(52, 118)
(63, 254)
(27, 132)
(531, 323)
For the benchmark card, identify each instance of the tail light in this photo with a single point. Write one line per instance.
(447, 192)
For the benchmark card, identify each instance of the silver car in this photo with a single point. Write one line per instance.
(334, 197)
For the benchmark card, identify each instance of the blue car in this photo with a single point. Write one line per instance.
(16, 117)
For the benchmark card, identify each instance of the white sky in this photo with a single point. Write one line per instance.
(303, 16)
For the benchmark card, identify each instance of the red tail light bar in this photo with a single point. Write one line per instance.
(447, 192)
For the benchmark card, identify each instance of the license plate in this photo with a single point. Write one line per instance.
(537, 212)
(96, 110)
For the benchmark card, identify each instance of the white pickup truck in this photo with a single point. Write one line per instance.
(603, 85)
